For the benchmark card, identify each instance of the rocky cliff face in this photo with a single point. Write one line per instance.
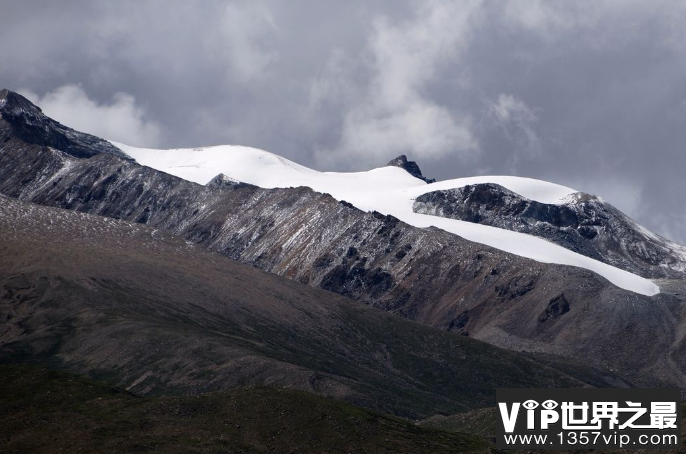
(584, 224)
(427, 275)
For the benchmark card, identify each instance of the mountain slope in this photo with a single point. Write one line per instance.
(46, 412)
(427, 275)
(388, 190)
(153, 313)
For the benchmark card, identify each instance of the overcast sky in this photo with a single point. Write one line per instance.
(589, 94)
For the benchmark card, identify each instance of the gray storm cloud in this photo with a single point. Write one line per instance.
(589, 94)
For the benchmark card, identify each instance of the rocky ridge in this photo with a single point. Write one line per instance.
(24, 120)
(584, 223)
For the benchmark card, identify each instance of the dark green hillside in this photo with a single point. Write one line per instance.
(45, 412)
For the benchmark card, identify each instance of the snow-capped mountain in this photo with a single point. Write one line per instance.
(379, 254)
(393, 191)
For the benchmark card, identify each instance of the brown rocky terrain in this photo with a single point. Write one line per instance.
(152, 313)
(426, 275)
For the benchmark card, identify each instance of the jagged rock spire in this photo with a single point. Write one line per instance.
(411, 167)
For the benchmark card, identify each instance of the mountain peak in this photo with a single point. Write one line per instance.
(14, 102)
(410, 166)
(20, 118)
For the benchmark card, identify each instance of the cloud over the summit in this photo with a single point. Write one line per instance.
(121, 120)
(392, 113)
(516, 121)
(574, 92)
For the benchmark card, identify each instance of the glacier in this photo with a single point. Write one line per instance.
(389, 190)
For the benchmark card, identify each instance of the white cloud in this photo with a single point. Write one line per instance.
(605, 24)
(516, 121)
(393, 114)
(336, 85)
(419, 128)
(122, 120)
(542, 17)
(246, 30)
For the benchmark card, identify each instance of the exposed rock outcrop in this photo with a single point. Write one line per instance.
(27, 122)
(411, 167)
(585, 224)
